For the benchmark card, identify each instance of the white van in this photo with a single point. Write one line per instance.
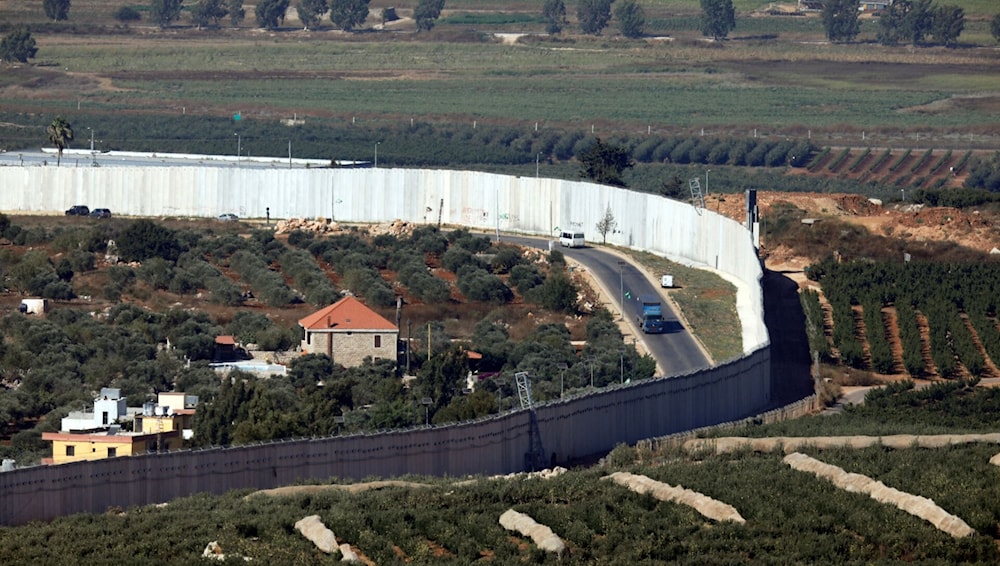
(572, 240)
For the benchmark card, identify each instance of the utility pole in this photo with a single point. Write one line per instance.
(621, 287)
(562, 378)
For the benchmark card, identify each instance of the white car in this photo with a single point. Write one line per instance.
(228, 217)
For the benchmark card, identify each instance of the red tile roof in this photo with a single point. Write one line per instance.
(225, 340)
(346, 314)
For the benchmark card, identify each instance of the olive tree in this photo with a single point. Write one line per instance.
(165, 12)
(949, 21)
(348, 14)
(631, 19)
(18, 45)
(840, 20)
(271, 13)
(311, 12)
(56, 9)
(718, 18)
(554, 13)
(594, 15)
(426, 13)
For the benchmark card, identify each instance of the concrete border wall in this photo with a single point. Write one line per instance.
(480, 200)
(569, 429)
(575, 428)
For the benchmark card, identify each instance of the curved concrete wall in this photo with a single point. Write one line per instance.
(562, 430)
(479, 200)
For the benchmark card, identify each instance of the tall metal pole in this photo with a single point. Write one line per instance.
(92, 140)
(706, 181)
(562, 378)
(376, 154)
(621, 360)
(239, 145)
(621, 288)
(537, 155)
(496, 210)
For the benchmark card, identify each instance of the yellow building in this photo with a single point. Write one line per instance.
(75, 447)
(93, 435)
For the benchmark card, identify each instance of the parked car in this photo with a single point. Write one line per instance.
(228, 217)
(100, 213)
(78, 210)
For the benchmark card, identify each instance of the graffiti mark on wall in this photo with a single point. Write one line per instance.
(475, 216)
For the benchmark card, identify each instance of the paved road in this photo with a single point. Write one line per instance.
(676, 351)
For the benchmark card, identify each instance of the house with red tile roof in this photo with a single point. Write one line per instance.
(348, 332)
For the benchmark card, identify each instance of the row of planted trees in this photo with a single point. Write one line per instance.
(956, 303)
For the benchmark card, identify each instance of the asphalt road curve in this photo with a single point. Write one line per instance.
(676, 351)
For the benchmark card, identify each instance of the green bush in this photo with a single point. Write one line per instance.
(479, 285)
(456, 257)
(557, 293)
(525, 277)
(144, 239)
(506, 258)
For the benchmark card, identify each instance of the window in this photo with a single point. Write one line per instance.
(112, 452)
(378, 340)
(71, 450)
(104, 417)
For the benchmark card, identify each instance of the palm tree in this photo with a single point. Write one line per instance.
(60, 134)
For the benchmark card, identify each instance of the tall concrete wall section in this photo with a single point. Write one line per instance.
(481, 200)
(569, 429)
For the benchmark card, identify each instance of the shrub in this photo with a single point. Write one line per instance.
(268, 285)
(506, 258)
(300, 238)
(457, 257)
(480, 285)
(525, 277)
(557, 293)
(309, 278)
(682, 151)
(127, 14)
(144, 239)
(81, 261)
(428, 240)
(469, 241)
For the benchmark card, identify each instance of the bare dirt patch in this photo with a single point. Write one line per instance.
(973, 229)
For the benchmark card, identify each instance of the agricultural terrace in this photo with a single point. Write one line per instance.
(790, 516)
(916, 318)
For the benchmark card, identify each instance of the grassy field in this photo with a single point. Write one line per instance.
(775, 73)
(707, 302)
(733, 91)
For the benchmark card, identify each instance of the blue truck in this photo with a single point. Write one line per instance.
(650, 315)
